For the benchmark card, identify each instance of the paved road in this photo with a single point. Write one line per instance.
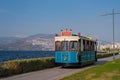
(54, 73)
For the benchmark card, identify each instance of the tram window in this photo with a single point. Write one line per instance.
(84, 45)
(65, 46)
(79, 45)
(95, 46)
(73, 46)
(87, 45)
(58, 46)
(92, 46)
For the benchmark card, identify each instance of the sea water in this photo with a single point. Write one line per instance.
(13, 55)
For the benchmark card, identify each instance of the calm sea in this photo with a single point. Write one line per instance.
(13, 55)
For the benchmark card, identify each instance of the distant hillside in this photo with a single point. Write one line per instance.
(6, 40)
(42, 36)
(34, 42)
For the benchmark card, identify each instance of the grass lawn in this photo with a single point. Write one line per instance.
(107, 71)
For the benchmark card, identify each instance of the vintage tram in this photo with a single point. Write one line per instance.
(72, 49)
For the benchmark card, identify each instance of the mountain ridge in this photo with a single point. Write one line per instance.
(33, 42)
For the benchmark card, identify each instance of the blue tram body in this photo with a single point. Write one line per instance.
(66, 57)
(74, 49)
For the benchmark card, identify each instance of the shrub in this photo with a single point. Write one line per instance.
(105, 55)
(26, 65)
(4, 72)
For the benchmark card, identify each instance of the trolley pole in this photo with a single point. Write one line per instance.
(113, 45)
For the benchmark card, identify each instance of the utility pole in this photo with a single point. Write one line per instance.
(113, 13)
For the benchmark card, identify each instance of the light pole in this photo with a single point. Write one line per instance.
(113, 13)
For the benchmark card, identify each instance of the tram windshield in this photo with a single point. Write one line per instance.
(61, 46)
(66, 46)
(73, 46)
(58, 46)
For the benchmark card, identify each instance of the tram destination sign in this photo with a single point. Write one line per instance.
(66, 33)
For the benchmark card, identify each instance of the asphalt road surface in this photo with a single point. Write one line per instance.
(55, 73)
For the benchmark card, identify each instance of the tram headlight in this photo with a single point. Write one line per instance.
(65, 58)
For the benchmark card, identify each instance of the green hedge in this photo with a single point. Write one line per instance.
(23, 66)
(105, 55)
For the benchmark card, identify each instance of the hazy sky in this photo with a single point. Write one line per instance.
(29, 17)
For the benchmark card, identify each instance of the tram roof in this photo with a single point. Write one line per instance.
(71, 38)
(67, 38)
(66, 35)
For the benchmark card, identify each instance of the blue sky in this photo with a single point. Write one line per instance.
(29, 17)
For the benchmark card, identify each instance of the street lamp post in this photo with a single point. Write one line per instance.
(113, 13)
(113, 35)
